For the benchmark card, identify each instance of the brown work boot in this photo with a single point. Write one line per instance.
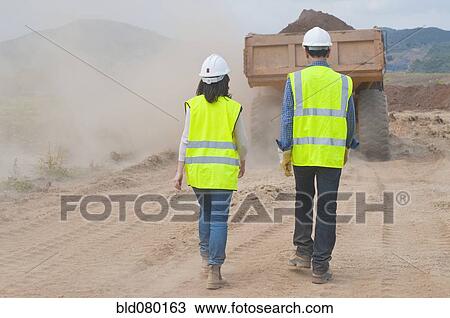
(300, 261)
(215, 280)
(322, 278)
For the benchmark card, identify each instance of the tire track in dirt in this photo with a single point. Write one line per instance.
(82, 233)
(59, 267)
(398, 266)
(13, 232)
(381, 238)
(357, 244)
(106, 240)
(19, 259)
(70, 233)
(44, 210)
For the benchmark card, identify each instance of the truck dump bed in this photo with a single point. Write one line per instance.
(269, 58)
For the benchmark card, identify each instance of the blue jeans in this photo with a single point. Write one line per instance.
(321, 248)
(213, 223)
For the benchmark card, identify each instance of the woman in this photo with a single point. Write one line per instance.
(213, 149)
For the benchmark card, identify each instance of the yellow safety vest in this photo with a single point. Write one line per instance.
(321, 98)
(212, 159)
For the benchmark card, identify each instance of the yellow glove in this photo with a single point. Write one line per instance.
(286, 162)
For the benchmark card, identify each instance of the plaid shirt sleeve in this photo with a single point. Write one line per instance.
(287, 119)
(352, 141)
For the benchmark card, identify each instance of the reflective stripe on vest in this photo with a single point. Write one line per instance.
(320, 141)
(212, 159)
(211, 145)
(321, 99)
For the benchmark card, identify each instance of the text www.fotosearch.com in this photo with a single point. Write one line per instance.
(230, 308)
(245, 308)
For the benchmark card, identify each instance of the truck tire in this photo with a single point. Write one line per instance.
(265, 125)
(373, 124)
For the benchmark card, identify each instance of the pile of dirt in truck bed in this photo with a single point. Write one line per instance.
(309, 19)
(419, 98)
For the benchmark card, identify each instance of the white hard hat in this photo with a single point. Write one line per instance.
(214, 69)
(317, 39)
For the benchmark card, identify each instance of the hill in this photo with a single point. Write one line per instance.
(30, 60)
(418, 50)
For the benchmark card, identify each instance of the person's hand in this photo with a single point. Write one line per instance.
(286, 162)
(178, 181)
(241, 169)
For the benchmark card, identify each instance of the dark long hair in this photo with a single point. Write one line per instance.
(213, 91)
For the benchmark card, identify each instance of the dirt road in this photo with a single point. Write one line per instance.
(42, 256)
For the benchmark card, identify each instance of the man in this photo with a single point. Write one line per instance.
(317, 131)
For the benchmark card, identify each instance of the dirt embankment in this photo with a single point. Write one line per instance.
(419, 136)
(420, 98)
(309, 19)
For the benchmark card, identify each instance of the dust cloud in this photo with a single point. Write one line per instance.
(50, 101)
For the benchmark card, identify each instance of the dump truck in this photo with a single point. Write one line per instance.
(268, 59)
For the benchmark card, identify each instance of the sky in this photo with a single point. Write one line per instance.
(176, 18)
